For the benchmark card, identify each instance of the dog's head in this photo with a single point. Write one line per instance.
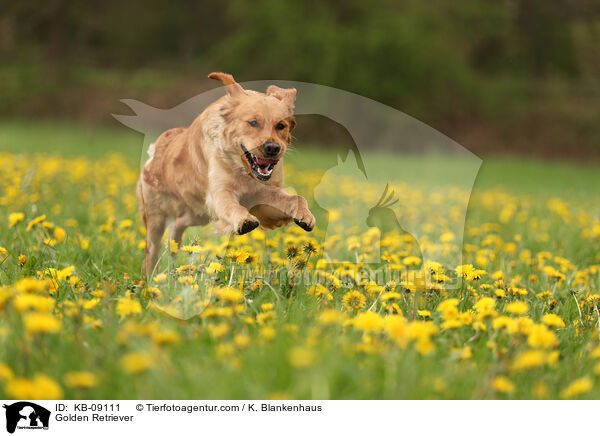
(257, 128)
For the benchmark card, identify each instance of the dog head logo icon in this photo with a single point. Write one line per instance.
(26, 415)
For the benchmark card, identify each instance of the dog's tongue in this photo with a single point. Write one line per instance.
(263, 162)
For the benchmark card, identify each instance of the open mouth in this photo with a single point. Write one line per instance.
(262, 168)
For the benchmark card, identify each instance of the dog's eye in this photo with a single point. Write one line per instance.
(280, 126)
(253, 123)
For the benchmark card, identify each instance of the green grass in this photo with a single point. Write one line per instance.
(61, 170)
(68, 139)
(516, 174)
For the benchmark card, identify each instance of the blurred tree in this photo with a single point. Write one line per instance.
(438, 60)
(546, 35)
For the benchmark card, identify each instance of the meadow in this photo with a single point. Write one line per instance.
(289, 314)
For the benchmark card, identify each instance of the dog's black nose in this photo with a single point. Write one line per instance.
(271, 148)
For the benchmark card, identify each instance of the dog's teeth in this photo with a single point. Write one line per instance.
(262, 168)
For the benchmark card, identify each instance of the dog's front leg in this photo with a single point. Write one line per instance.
(227, 208)
(294, 206)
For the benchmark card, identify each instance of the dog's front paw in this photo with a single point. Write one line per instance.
(247, 225)
(306, 221)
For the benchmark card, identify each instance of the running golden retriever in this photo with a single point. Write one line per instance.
(225, 168)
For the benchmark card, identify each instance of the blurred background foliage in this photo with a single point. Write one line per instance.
(518, 76)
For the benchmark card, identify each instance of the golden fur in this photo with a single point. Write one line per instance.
(211, 170)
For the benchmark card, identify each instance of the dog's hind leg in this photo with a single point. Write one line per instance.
(155, 227)
(140, 196)
(182, 222)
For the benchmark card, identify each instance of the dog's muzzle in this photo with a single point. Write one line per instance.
(261, 168)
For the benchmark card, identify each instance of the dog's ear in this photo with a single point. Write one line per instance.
(288, 96)
(234, 89)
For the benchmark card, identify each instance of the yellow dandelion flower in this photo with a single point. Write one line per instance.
(368, 322)
(35, 221)
(475, 274)
(466, 318)
(553, 357)
(262, 318)
(160, 278)
(192, 249)
(186, 269)
(503, 385)
(524, 324)
(220, 330)
(267, 333)
(354, 300)
(125, 224)
(398, 329)
(390, 296)
(452, 323)
(80, 379)
(517, 308)
(41, 387)
(267, 307)
(241, 340)
(186, 280)
(422, 330)
(425, 346)
(320, 290)
(165, 337)
(448, 308)
(411, 261)
(59, 234)
(5, 372)
(331, 316)
(447, 237)
(464, 270)
(553, 320)
(41, 323)
(464, 353)
(541, 337)
(224, 351)
(301, 357)
(214, 268)
(485, 308)
(24, 302)
(127, 306)
(151, 292)
(90, 304)
(230, 295)
(540, 391)
(29, 284)
(137, 362)
(529, 359)
(578, 387)
(15, 218)
(439, 384)
(505, 322)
